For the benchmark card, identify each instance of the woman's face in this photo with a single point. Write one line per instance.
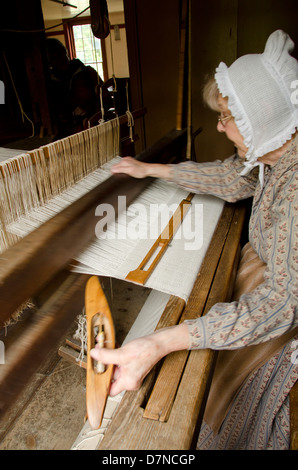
(229, 127)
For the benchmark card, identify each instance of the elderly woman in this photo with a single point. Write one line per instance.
(255, 333)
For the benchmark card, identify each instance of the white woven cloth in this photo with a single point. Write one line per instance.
(6, 153)
(126, 242)
(261, 96)
(120, 249)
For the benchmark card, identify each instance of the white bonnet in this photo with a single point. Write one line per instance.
(262, 97)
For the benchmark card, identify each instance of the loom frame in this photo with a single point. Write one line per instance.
(38, 267)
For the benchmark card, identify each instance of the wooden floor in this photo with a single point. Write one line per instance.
(50, 413)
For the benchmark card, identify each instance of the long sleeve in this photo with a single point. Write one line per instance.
(220, 178)
(271, 309)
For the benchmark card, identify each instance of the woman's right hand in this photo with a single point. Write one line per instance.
(132, 167)
(137, 169)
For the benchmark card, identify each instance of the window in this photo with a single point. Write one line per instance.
(83, 45)
(88, 47)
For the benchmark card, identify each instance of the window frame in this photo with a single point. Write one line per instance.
(70, 42)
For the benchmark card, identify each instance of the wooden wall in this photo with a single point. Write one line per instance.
(152, 30)
(222, 30)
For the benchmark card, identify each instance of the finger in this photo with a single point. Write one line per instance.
(116, 373)
(116, 388)
(124, 163)
(116, 169)
(120, 169)
(123, 383)
(106, 356)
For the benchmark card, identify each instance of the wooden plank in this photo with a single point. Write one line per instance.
(170, 317)
(172, 312)
(162, 397)
(129, 429)
(73, 343)
(68, 353)
(193, 389)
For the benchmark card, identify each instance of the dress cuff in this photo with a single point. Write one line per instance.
(197, 334)
(173, 177)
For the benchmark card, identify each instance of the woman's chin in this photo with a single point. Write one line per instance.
(241, 153)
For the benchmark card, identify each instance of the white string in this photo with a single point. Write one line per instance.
(130, 123)
(81, 335)
(102, 119)
(32, 184)
(130, 120)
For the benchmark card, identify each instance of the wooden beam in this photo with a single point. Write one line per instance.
(183, 54)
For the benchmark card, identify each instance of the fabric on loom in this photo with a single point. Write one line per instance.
(115, 252)
(6, 153)
(29, 181)
(177, 270)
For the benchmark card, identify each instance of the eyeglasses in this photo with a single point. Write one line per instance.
(224, 119)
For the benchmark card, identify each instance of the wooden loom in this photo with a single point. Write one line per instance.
(33, 266)
(167, 411)
(39, 262)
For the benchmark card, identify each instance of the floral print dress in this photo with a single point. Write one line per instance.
(259, 417)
